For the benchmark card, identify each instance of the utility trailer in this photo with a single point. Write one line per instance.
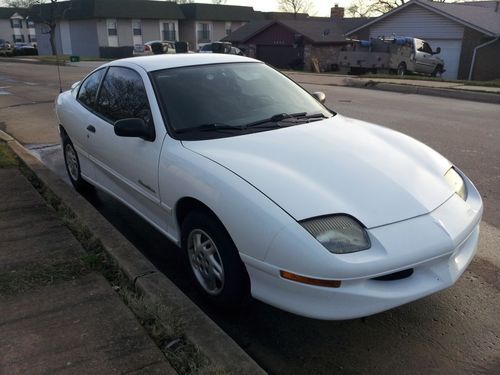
(399, 55)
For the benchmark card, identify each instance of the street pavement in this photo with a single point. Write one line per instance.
(455, 331)
(55, 316)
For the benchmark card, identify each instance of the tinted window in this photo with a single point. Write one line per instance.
(88, 89)
(123, 95)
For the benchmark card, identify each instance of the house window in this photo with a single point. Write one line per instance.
(136, 27)
(112, 29)
(203, 32)
(18, 38)
(30, 24)
(228, 28)
(169, 31)
(16, 23)
(32, 38)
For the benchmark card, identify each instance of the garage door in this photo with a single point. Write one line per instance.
(450, 53)
(279, 56)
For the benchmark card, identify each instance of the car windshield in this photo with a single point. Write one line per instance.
(236, 96)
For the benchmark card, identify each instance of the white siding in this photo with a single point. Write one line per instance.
(450, 53)
(417, 22)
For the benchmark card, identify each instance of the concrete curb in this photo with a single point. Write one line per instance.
(404, 88)
(476, 96)
(199, 328)
(34, 61)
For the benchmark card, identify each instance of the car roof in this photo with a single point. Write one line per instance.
(167, 61)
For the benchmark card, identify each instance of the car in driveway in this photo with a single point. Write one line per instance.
(154, 47)
(25, 49)
(6, 48)
(265, 190)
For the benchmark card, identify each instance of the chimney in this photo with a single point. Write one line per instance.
(337, 12)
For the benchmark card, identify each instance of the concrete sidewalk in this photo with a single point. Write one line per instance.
(56, 316)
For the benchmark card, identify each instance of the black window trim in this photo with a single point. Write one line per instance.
(98, 88)
(101, 116)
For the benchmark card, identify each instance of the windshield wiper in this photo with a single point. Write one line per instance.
(213, 126)
(274, 121)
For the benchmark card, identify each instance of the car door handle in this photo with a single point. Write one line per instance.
(91, 128)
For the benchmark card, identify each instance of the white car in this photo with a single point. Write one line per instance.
(267, 191)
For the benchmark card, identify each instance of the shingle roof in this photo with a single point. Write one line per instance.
(472, 15)
(481, 17)
(6, 13)
(315, 29)
(243, 33)
(84, 9)
(213, 12)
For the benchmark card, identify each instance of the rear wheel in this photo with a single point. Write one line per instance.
(73, 166)
(402, 69)
(213, 260)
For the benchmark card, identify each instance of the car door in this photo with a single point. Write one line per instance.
(127, 167)
(424, 62)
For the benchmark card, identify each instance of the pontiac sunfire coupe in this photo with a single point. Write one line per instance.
(267, 191)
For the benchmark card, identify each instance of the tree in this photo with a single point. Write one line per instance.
(372, 8)
(295, 6)
(47, 13)
(360, 8)
(219, 2)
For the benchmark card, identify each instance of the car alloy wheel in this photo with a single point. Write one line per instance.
(213, 260)
(72, 162)
(206, 262)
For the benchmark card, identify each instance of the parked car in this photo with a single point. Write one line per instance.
(220, 47)
(266, 191)
(6, 48)
(154, 47)
(25, 49)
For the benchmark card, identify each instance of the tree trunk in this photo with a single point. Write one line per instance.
(52, 37)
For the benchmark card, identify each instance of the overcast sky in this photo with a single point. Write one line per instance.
(321, 7)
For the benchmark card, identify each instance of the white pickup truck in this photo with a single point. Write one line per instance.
(389, 55)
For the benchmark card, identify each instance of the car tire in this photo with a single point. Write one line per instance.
(437, 70)
(213, 261)
(72, 164)
(401, 70)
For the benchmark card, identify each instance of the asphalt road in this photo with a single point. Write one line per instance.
(455, 331)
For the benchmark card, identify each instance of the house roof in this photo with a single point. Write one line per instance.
(6, 13)
(84, 9)
(214, 12)
(481, 17)
(315, 29)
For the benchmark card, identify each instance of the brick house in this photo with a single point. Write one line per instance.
(468, 34)
(296, 43)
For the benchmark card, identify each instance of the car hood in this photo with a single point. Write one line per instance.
(338, 165)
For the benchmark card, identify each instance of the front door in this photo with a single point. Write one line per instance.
(127, 167)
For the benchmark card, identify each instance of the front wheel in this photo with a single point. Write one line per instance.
(213, 260)
(73, 166)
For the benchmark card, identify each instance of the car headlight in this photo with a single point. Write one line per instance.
(339, 234)
(456, 182)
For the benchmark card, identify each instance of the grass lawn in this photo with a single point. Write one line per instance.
(7, 158)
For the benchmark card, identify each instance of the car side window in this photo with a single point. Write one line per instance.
(88, 89)
(123, 95)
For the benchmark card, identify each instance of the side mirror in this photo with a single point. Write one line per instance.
(438, 51)
(134, 127)
(319, 96)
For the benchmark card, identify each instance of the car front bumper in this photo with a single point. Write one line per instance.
(436, 247)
